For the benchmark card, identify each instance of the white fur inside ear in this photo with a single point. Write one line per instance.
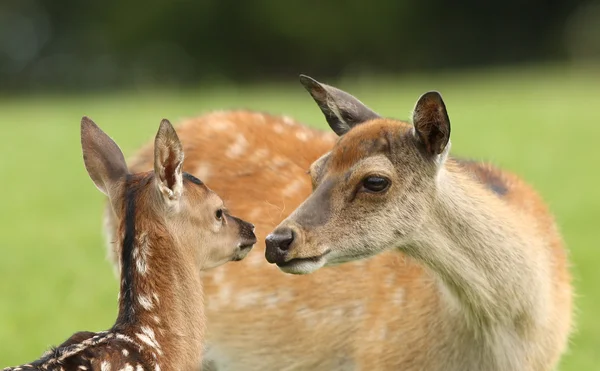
(171, 197)
(442, 157)
(440, 160)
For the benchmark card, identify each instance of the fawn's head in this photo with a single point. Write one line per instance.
(179, 205)
(371, 191)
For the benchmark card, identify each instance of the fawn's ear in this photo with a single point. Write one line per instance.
(342, 111)
(103, 159)
(168, 162)
(431, 122)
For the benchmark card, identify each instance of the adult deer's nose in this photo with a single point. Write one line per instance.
(278, 243)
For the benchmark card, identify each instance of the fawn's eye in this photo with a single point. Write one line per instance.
(219, 214)
(375, 184)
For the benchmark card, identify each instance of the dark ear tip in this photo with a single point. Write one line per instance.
(87, 122)
(87, 126)
(166, 126)
(308, 81)
(432, 95)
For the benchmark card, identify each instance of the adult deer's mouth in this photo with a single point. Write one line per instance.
(304, 265)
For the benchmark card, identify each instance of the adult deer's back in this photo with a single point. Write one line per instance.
(372, 313)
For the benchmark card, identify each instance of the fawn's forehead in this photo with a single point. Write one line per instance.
(140, 183)
(198, 192)
(365, 140)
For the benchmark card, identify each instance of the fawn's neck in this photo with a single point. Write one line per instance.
(482, 253)
(160, 303)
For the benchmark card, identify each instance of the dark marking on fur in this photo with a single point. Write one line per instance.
(486, 175)
(127, 314)
(192, 179)
(128, 295)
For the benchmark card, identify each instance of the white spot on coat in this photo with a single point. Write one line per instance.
(105, 366)
(292, 188)
(259, 155)
(142, 268)
(145, 302)
(218, 276)
(147, 336)
(238, 147)
(398, 297)
(272, 301)
(220, 125)
(246, 299)
(203, 171)
(224, 294)
(302, 136)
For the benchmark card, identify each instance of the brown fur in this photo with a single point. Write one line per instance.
(168, 233)
(388, 312)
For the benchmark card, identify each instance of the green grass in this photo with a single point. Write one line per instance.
(542, 123)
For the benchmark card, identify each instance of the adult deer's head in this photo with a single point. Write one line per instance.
(371, 191)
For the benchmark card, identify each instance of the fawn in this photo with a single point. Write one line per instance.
(390, 312)
(171, 226)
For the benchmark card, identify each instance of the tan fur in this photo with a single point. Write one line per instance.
(168, 231)
(388, 312)
(178, 236)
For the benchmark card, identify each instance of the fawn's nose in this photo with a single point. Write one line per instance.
(278, 243)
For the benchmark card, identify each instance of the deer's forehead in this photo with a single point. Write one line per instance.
(366, 140)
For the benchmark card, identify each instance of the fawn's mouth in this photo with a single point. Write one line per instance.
(242, 251)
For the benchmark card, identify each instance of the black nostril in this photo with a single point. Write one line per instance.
(285, 239)
(278, 243)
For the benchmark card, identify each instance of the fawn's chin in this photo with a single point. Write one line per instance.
(303, 266)
(241, 253)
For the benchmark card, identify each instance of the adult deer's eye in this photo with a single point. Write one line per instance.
(375, 184)
(219, 215)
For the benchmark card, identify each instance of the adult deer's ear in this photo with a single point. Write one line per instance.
(103, 159)
(431, 122)
(168, 162)
(342, 111)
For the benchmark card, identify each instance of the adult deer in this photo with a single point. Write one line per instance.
(170, 226)
(374, 314)
(496, 288)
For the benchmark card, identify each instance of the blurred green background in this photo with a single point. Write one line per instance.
(521, 81)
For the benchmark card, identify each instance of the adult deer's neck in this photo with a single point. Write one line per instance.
(160, 300)
(482, 252)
